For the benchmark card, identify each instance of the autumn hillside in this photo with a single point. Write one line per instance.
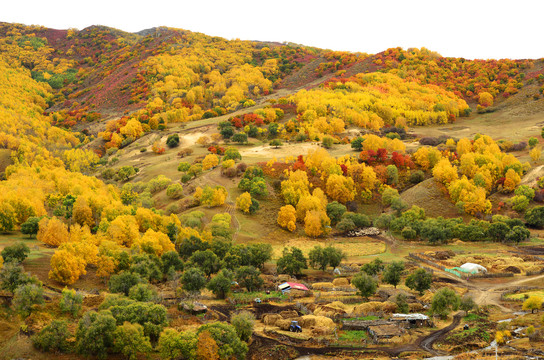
(156, 188)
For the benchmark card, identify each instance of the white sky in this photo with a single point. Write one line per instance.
(463, 28)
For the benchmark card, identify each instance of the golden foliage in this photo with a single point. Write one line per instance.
(287, 217)
(52, 232)
(66, 268)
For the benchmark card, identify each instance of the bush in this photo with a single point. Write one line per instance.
(183, 166)
(26, 296)
(71, 302)
(172, 141)
(417, 176)
(174, 191)
(185, 178)
(52, 338)
(243, 323)
(15, 253)
(533, 142)
(122, 282)
(141, 292)
(408, 233)
(327, 142)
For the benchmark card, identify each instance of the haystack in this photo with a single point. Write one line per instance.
(271, 319)
(283, 324)
(288, 314)
(331, 310)
(309, 321)
(374, 307)
(323, 286)
(340, 282)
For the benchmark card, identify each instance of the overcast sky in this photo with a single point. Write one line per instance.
(470, 29)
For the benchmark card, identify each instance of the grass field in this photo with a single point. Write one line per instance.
(539, 293)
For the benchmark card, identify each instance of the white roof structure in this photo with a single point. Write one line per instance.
(471, 267)
(410, 317)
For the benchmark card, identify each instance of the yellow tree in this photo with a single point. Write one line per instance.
(105, 266)
(287, 217)
(463, 146)
(485, 99)
(154, 242)
(532, 303)
(445, 172)
(535, 154)
(66, 268)
(316, 223)
(340, 188)
(123, 230)
(207, 348)
(243, 202)
(82, 213)
(364, 176)
(307, 203)
(511, 180)
(52, 232)
(296, 186)
(210, 161)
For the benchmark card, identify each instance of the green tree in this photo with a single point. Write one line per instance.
(497, 231)
(221, 283)
(122, 282)
(130, 341)
(71, 301)
(467, 304)
(393, 273)
(444, 301)
(374, 267)
(230, 345)
(193, 280)
(206, 261)
(249, 277)
(13, 276)
(276, 143)
(259, 254)
(357, 143)
(53, 337)
(142, 292)
(190, 245)
(291, 262)
(243, 323)
(171, 260)
(402, 304)
(419, 280)
(232, 154)
(95, 333)
(320, 257)
(335, 211)
(26, 296)
(172, 141)
(183, 166)
(535, 216)
(30, 226)
(273, 130)
(175, 345)
(518, 234)
(392, 174)
(240, 138)
(365, 284)
(125, 172)
(15, 253)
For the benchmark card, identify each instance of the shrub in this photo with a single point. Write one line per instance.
(174, 191)
(52, 338)
(533, 142)
(71, 301)
(417, 176)
(243, 323)
(15, 253)
(183, 166)
(172, 141)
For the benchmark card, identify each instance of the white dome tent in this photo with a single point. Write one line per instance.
(473, 268)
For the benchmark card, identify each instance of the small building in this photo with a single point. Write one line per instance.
(381, 333)
(411, 320)
(288, 286)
